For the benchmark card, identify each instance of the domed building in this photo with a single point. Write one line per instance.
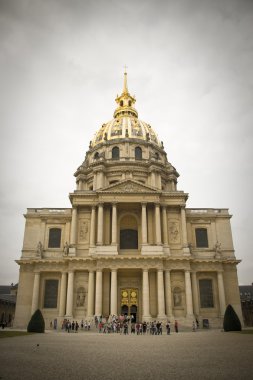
(128, 245)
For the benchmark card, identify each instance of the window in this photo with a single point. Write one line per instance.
(138, 153)
(206, 293)
(54, 240)
(96, 156)
(115, 153)
(121, 103)
(128, 239)
(51, 294)
(201, 238)
(129, 103)
(157, 156)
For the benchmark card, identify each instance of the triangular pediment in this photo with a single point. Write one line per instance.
(129, 186)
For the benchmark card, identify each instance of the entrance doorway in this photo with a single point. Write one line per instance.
(129, 303)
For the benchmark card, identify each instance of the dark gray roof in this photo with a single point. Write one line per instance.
(11, 298)
(5, 289)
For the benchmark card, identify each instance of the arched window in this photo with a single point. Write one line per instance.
(201, 238)
(129, 103)
(115, 153)
(138, 153)
(96, 156)
(157, 156)
(121, 103)
(54, 240)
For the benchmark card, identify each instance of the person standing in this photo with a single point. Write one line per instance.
(176, 326)
(168, 327)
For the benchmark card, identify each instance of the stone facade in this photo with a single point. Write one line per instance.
(128, 244)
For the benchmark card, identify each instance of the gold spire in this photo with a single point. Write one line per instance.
(125, 101)
(125, 89)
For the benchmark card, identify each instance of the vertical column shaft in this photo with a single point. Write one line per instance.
(221, 293)
(184, 230)
(168, 297)
(188, 293)
(114, 223)
(114, 308)
(145, 293)
(70, 291)
(165, 226)
(144, 222)
(195, 293)
(73, 226)
(91, 289)
(160, 294)
(158, 224)
(99, 289)
(62, 307)
(100, 224)
(93, 226)
(36, 292)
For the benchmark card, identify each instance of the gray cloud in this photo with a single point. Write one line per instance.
(190, 67)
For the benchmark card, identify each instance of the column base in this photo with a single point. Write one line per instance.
(106, 250)
(146, 318)
(162, 317)
(186, 251)
(72, 251)
(166, 250)
(152, 249)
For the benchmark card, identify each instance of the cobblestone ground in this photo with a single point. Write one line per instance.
(190, 355)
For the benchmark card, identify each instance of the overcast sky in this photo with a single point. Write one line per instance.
(190, 66)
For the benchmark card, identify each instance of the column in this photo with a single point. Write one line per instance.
(99, 289)
(73, 226)
(168, 297)
(160, 294)
(91, 288)
(36, 292)
(100, 224)
(153, 179)
(188, 294)
(221, 293)
(70, 291)
(158, 224)
(114, 223)
(195, 294)
(144, 222)
(92, 226)
(184, 230)
(165, 226)
(62, 307)
(114, 287)
(94, 181)
(145, 294)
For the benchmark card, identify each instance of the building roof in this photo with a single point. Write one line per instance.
(10, 298)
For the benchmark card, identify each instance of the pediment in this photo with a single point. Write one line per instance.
(128, 186)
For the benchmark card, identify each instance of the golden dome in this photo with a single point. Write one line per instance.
(125, 124)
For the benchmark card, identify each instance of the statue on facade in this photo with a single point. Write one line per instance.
(190, 248)
(39, 249)
(66, 249)
(217, 249)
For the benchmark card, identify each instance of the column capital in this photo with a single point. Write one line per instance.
(144, 204)
(145, 270)
(157, 204)
(114, 270)
(93, 207)
(100, 204)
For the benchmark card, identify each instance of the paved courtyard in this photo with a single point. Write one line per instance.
(208, 354)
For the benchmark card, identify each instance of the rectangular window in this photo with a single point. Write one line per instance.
(201, 238)
(206, 293)
(51, 294)
(54, 238)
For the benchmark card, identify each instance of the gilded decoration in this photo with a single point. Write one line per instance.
(129, 297)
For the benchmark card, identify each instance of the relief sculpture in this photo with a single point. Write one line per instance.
(174, 232)
(83, 232)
